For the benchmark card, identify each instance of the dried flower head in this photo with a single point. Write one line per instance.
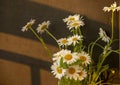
(104, 36)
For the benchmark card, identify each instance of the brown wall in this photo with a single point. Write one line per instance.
(23, 61)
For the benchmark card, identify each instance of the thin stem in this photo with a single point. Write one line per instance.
(101, 62)
(81, 43)
(112, 21)
(116, 51)
(42, 42)
(79, 31)
(52, 36)
(93, 46)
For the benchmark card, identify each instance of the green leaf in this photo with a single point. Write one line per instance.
(62, 64)
(104, 68)
(65, 65)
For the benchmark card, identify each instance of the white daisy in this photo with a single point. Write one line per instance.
(104, 36)
(57, 56)
(57, 71)
(63, 42)
(41, 27)
(113, 7)
(29, 24)
(69, 57)
(75, 39)
(72, 72)
(76, 24)
(71, 18)
(85, 58)
(82, 74)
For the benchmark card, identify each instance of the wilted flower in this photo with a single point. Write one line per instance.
(106, 49)
(104, 36)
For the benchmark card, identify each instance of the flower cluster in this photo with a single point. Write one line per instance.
(73, 63)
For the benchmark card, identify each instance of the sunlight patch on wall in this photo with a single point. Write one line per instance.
(91, 9)
(24, 46)
(12, 73)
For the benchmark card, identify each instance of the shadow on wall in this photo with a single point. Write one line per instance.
(34, 64)
(14, 14)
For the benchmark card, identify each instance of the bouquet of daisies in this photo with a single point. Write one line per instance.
(73, 63)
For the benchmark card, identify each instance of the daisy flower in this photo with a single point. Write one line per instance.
(76, 24)
(29, 24)
(104, 36)
(41, 27)
(113, 7)
(63, 42)
(57, 56)
(85, 58)
(69, 57)
(72, 72)
(75, 39)
(57, 71)
(71, 18)
(82, 74)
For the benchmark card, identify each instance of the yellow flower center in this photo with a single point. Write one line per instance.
(59, 70)
(75, 24)
(71, 70)
(72, 18)
(80, 73)
(68, 57)
(83, 58)
(75, 39)
(43, 27)
(64, 41)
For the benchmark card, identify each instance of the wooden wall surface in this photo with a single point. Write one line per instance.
(23, 61)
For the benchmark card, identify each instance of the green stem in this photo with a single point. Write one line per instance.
(52, 36)
(79, 31)
(112, 21)
(42, 42)
(81, 43)
(101, 62)
(93, 46)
